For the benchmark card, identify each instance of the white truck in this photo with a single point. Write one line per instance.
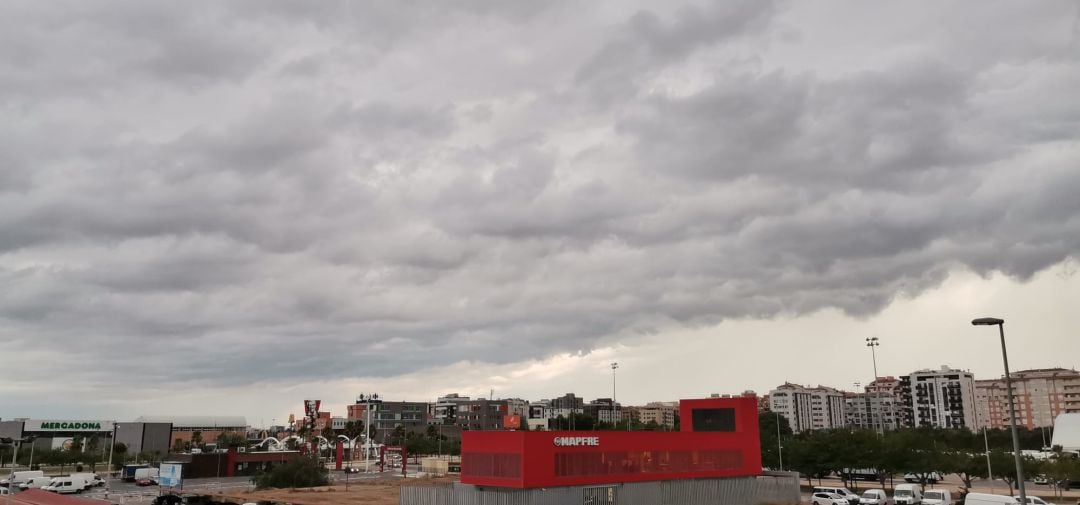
(146, 473)
(35, 483)
(18, 478)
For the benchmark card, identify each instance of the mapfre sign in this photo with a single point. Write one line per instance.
(576, 441)
(67, 425)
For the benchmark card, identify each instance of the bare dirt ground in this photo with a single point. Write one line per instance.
(377, 492)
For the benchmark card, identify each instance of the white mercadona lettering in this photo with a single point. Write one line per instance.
(576, 441)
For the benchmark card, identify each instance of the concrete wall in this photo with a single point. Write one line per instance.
(778, 489)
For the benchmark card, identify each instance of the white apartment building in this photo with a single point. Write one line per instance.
(942, 398)
(818, 408)
(1040, 396)
(661, 413)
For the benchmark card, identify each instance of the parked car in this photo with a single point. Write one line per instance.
(145, 481)
(4, 491)
(827, 499)
(907, 494)
(875, 497)
(989, 499)
(937, 497)
(852, 498)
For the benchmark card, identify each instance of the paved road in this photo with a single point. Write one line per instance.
(953, 483)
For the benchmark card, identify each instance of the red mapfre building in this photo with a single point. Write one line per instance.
(719, 438)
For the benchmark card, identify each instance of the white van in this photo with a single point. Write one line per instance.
(937, 497)
(990, 499)
(852, 498)
(907, 494)
(20, 477)
(66, 485)
(35, 483)
(875, 497)
(92, 479)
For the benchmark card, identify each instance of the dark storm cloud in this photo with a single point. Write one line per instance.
(257, 191)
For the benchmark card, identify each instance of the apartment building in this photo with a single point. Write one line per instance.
(539, 415)
(941, 398)
(806, 408)
(1040, 395)
(445, 408)
(604, 410)
(661, 413)
(567, 404)
(871, 410)
(481, 414)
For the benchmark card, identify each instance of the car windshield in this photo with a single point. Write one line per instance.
(870, 494)
(933, 495)
(904, 493)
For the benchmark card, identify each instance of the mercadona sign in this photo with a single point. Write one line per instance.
(67, 425)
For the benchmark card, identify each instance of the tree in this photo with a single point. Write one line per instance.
(230, 439)
(196, 438)
(968, 466)
(297, 472)
(810, 455)
(770, 450)
(354, 429)
(1061, 470)
(1005, 467)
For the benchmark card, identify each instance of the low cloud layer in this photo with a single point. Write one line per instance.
(248, 192)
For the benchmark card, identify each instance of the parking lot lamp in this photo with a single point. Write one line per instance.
(1000, 323)
(872, 343)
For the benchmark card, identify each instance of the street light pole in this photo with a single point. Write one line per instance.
(108, 469)
(872, 342)
(1000, 323)
(614, 416)
(11, 476)
(779, 446)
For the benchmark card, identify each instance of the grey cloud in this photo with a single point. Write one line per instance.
(280, 212)
(646, 42)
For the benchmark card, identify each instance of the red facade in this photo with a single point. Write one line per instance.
(533, 459)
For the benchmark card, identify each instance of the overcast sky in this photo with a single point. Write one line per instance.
(226, 208)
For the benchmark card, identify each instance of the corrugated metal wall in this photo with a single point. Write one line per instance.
(778, 488)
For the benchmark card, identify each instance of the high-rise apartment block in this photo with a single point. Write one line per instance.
(818, 408)
(941, 398)
(1040, 396)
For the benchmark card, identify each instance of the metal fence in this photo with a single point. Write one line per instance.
(775, 488)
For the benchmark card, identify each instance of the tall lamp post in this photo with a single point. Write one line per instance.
(872, 343)
(367, 429)
(1000, 323)
(779, 444)
(614, 418)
